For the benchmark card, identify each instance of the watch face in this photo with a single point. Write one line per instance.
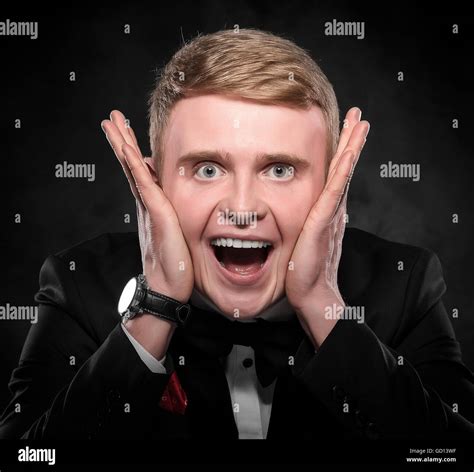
(127, 296)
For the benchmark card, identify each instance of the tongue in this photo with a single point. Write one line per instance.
(242, 261)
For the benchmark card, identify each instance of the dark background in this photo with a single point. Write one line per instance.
(411, 122)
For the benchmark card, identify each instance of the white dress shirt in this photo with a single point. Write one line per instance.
(251, 403)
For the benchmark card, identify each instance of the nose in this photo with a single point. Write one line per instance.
(243, 201)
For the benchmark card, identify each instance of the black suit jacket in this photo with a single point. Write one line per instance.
(399, 374)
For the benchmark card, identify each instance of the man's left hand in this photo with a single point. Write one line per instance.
(311, 281)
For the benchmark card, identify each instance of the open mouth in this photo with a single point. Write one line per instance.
(240, 256)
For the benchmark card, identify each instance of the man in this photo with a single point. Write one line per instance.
(297, 328)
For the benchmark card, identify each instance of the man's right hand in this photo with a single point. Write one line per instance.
(167, 264)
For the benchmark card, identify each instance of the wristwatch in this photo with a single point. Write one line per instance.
(138, 298)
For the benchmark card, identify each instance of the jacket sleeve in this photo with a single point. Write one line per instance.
(417, 388)
(69, 385)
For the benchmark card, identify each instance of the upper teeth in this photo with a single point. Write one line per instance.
(240, 243)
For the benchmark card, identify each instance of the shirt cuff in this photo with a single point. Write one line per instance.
(155, 365)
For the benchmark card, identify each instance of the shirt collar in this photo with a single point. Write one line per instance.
(280, 310)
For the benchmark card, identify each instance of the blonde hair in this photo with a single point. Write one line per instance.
(247, 63)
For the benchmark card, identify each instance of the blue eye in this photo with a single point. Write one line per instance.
(282, 171)
(208, 171)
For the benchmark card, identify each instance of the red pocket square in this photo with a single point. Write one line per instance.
(174, 397)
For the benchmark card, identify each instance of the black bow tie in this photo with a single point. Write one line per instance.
(273, 342)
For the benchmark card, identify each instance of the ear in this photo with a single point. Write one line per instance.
(149, 162)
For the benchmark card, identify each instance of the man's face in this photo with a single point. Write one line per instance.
(239, 174)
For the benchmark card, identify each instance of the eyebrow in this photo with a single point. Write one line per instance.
(193, 157)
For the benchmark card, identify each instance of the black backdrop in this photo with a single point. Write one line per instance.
(411, 122)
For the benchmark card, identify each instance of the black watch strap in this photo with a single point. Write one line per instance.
(164, 307)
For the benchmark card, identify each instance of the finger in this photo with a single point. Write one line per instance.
(150, 163)
(341, 208)
(342, 205)
(334, 182)
(352, 118)
(125, 132)
(125, 129)
(354, 147)
(355, 143)
(118, 118)
(329, 200)
(134, 139)
(115, 139)
(337, 245)
(360, 139)
(149, 193)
